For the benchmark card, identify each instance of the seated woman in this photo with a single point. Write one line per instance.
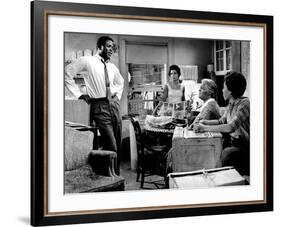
(210, 109)
(235, 122)
(173, 91)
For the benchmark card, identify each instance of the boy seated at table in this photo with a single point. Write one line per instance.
(235, 123)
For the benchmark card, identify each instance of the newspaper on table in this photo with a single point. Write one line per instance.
(191, 134)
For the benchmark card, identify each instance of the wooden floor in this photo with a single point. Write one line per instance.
(131, 184)
(131, 175)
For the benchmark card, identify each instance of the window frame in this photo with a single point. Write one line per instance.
(224, 49)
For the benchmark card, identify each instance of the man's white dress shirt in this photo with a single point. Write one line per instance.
(94, 78)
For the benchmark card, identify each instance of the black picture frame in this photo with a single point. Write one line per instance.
(40, 11)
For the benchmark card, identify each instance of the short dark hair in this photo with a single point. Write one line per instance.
(236, 83)
(102, 41)
(175, 67)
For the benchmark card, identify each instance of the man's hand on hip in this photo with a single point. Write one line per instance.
(86, 98)
(114, 96)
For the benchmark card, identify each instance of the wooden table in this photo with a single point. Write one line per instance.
(194, 151)
(158, 136)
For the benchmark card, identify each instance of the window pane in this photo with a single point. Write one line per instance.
(221, 64)
(217, 55)
(223, 55)
(217, 64)
(219, 45)
(227, 44)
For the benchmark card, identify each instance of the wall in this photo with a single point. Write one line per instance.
(182, 52)
(185, 51)
(194, 52)
(245, 63)
(236, 56)
(82, 41)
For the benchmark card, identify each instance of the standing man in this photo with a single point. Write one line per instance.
(104, 86)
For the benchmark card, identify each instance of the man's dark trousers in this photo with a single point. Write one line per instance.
(106, 115)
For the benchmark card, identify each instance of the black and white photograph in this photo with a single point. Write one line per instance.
(148, 113)
(143, 113)
(140, 113)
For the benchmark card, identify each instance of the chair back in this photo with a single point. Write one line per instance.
(77, 146)
(138, 135)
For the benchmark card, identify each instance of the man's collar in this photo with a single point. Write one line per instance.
(99, 57)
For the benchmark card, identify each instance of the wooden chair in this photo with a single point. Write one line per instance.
(151, 158)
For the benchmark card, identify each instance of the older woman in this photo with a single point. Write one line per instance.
(235, 122)
(210, 108)
(173, 91)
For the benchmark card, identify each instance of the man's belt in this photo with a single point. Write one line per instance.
(95, 100)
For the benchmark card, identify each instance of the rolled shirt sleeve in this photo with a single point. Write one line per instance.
(95, 78)
(118, 83)
(242, 117)
(237, 116)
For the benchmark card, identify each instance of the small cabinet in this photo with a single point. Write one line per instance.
(191, 153)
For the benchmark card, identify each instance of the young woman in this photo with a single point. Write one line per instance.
(173, 91)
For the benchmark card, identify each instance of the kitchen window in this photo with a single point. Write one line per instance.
(223, 57)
